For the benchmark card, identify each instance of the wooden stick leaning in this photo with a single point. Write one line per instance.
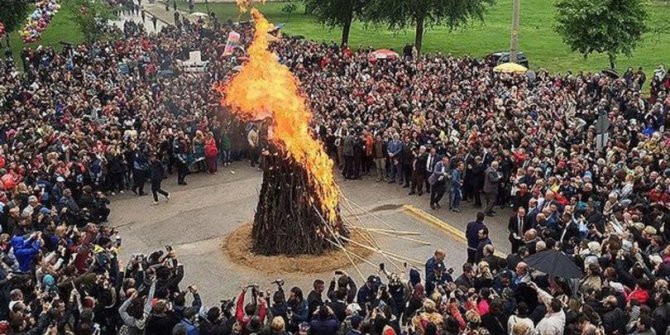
(390, 231)
(403, 238)
(351, 253)
(375, 243)
(339, 243)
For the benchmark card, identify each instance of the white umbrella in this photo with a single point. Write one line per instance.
(198, 14)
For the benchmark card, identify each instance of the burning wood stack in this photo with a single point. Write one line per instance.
(288, 217)
(298, 209)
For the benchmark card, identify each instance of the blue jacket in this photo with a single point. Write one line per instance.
(25, 252)
(455, 179)
(433, 266)
(299, 316)
(366, 295)
(394, 147)
(324, 327)
(140, 162)
(191, 329)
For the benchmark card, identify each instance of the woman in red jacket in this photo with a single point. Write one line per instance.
(211, 152)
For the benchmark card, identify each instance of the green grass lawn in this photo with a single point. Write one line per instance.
(61, 29)
(538, 41)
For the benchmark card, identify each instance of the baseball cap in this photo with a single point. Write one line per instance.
(60, 179)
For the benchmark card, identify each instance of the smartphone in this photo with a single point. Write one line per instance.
(382, 266)
(339, 273)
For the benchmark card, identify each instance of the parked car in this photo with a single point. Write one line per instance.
(503, 57)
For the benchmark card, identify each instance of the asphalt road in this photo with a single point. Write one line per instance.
(198, 217)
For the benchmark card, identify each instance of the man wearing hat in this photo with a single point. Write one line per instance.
(368, 293)
(57, 190)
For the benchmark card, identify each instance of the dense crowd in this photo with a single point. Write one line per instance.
(95, 120)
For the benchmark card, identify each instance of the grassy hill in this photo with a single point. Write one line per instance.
(538, 40)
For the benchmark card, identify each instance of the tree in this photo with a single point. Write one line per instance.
(611, 27)
(12, 14)
(400, 14)
(336, 13)
(288, 9)
(92, 17)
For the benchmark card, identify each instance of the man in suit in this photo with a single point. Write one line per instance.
(394, 151)
(419, 170)
(517, 227)
(491, 184)
(472, 235)
(438, 182)
(457, 187)
(474, 178)
(348, 151)
(435, 270)
(340, 134)
(431, 160)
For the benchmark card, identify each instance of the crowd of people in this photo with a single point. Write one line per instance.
(82, 125)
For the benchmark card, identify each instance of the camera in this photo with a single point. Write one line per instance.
(227, 305)
(278, 282)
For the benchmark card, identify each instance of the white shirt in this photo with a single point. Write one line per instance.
(551, 324)
(429, 165)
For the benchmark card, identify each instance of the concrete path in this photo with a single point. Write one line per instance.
(198, 217)
(148, 24)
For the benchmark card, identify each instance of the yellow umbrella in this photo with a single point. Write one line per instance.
(510, 68)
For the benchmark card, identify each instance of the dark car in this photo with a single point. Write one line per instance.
(503, 57)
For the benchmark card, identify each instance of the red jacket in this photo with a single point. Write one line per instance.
(210, 148)
(244, 319)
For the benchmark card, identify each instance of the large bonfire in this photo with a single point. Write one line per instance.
(297, 212)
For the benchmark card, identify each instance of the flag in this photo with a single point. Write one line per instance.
(231, 43)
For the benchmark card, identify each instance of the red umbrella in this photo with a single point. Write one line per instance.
(383, 54)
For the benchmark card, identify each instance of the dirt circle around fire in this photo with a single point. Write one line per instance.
(237, 246)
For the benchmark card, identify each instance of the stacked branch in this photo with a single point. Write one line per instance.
(286, 220)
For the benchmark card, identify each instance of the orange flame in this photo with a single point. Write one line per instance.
(265, 88)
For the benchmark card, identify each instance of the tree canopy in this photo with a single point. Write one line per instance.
(13, 13)
(91, 17)
(611, 27)
(400, 14)
(337, 13)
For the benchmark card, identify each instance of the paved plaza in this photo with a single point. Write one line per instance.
(200, 215)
